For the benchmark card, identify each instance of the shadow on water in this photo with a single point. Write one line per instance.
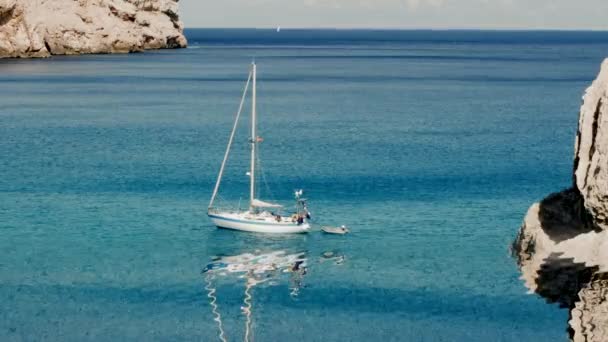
(252, 261)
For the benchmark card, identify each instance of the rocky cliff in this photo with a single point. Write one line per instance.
(40, 28)
(591, 150)
(562, 246)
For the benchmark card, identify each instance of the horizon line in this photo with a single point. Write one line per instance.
(328, 28)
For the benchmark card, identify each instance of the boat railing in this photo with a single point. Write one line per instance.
(218, 210)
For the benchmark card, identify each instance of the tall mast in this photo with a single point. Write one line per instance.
(253, 137)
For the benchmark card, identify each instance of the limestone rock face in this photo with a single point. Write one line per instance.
(38, 28)
(562, 246)
(591, 149)
(17, 39)
(589, 318)
(566, 266)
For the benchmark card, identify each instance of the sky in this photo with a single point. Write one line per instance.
(397, 14)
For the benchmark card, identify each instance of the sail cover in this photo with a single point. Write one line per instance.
(262, 204)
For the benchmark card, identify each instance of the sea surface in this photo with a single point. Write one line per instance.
(429, 145)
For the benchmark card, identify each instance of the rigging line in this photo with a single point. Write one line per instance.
(224, 203)
(236, 121)
(214, 307)
(267, 186)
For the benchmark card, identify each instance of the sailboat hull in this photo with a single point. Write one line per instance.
(258, 224)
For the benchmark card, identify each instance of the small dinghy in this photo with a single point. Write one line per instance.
(335, 230)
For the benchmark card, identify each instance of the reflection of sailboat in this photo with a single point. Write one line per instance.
(257, 218)
(256, 269)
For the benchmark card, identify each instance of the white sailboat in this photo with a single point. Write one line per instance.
(258, 217)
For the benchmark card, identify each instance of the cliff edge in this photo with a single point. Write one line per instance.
(562, 246)
(40, 28)
(591, 150)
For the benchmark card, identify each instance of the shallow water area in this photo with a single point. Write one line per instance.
(429, 146)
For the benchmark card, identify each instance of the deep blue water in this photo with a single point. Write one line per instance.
(430, 145)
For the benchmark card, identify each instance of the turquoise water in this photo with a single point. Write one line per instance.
(429, 145)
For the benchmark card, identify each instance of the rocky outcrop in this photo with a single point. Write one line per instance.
(591, 151)
(589, 317)
(565, 260)
(39, 28)
(562, 246)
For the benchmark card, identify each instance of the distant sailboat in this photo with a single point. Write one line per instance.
(257, 218)
(279, 29)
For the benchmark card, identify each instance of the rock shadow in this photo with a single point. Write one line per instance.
(563, 215)
(576, 287)
(561, 279)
